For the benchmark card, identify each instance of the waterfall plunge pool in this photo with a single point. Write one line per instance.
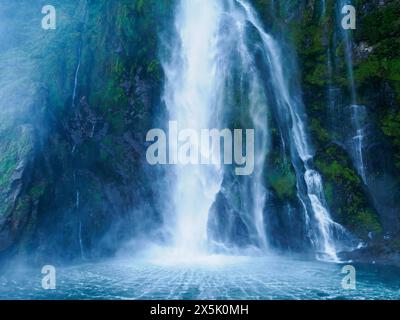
(219, 278)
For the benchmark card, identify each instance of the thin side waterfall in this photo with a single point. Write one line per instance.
(74, 94)
(358, 113)
(324, 7)
(77, 204)
(348, 44)
(77, 199)
(331, 89)
(80, 46)
(76, 75)
(357, 142)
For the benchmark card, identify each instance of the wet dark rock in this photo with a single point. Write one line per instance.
(380, 250)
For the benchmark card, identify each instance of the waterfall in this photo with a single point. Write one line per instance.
(331, 89)
(348, 52)
(323, 235)
(77, 204)
(358, 113)
(357, 142)
(191, 97)
(258, 109)
(80, 46)
(76, 74)
(74, 93)
(213, 51)
(77, 200)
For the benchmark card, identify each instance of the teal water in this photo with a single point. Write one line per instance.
(241, 278)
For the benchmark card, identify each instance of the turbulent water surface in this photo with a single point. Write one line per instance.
(212, 277)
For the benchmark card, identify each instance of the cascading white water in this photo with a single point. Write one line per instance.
(191, 98)
(259, 116)
(195, 93)
(195, 90)
(324, 240)
(259, 113)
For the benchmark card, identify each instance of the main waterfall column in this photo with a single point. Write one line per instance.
(190, 96)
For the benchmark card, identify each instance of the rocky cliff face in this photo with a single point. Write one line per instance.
(74, 120)
(21, 114)
(76, 103)
(364, 202)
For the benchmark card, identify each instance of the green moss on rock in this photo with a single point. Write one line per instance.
(345, 192)
(283, 181)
